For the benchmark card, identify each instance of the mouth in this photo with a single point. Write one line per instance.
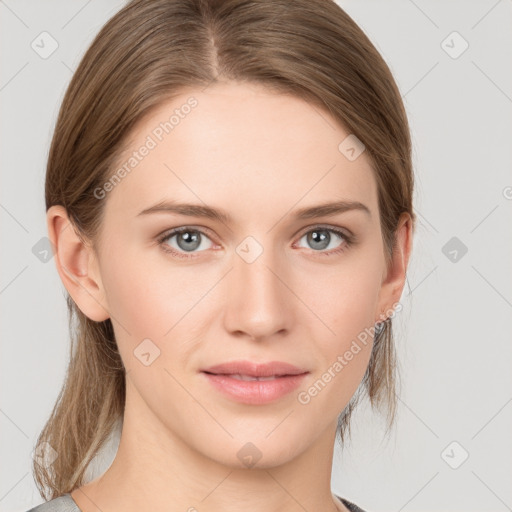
(255, 370)
(237, 376)
(252, 383)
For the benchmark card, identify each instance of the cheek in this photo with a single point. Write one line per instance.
(141, 291)
(154, 300)
(344, 340)
(345, 298)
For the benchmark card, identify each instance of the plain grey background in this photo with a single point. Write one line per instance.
(451, 449)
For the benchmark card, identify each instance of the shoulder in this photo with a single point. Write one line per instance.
(351, 506)
(64, 503)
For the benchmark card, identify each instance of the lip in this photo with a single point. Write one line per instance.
(255, 369)
(287, 377)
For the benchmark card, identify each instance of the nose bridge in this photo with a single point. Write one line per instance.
(257, 302)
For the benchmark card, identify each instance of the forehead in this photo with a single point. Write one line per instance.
(242, 146)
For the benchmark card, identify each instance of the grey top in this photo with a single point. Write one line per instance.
(66, 503)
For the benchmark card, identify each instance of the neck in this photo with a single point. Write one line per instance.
(154, 469)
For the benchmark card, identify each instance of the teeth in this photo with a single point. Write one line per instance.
(248, 377)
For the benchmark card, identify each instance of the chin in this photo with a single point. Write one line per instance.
(256, 452)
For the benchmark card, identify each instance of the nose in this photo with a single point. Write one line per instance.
(259, 303)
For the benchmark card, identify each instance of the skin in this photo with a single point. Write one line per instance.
(260, 156)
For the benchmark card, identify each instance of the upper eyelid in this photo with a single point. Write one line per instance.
(180, 229)
(346, 231)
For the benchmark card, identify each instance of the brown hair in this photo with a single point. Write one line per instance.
(147, 54)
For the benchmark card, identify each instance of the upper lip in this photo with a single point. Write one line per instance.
(253, 369)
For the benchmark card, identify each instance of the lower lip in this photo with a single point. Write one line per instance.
(255, 391)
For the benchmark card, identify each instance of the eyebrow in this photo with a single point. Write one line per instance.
(198, 210)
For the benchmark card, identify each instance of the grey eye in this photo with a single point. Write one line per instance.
(187, 240)
(320, 238)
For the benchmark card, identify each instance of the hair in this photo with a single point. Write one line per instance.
(147, 54)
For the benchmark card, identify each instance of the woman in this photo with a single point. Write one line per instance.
(270, 138)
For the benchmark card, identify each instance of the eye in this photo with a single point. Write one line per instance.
(321, 238)
(187, 240)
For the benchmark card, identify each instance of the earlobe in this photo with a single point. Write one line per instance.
(77, 265)
(394, 281)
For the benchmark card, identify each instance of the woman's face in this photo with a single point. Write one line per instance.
(262, 284)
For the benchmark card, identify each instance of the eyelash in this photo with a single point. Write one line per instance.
(348, 239)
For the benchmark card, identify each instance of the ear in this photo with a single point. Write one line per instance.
(77, 265)
(394, 280)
